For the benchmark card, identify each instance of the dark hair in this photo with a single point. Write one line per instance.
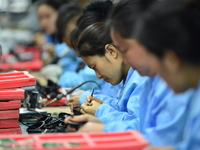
(125, 14)
(174, 25)
(65, 14)
(56, 4)
(92, 40)
(95, 11)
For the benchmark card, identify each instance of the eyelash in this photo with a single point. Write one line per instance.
(93, 67)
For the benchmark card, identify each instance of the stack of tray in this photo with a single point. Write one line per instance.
(11, 95)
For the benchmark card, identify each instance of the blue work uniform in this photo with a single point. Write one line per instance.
(161, 112)
(125, 106)
(67, 58)
(191, 136)
(51, 39)
(72, 79)
(106, 93)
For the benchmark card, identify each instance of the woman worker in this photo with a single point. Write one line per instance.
(176, 44)
(159, 116)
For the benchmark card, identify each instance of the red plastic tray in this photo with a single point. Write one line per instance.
(16, 79)
(24, 49)
(9, 123)
(9, 114)
(129, 140)
(9, 105)
(11, 131)
(11, 94)
(33, 65)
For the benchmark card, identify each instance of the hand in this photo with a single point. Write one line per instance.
(92, 127)
(73, 101)
(157, 148)
(89, 99)
(91, 109)
(39, 39)
(84, 118)
(49, 48)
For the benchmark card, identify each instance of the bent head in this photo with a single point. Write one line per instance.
(170, 31)
(97, 51)
(47, 12)
(95, 11)
(122, 34)
(67, 17)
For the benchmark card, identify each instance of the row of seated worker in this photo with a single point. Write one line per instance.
(146, 51)
(147, 54)
(60, 63)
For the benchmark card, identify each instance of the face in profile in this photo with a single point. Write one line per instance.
(68, 29)
(136, 55)
(175, 72)
(108, 67)
(47, 17)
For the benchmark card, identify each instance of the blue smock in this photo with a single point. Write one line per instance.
(51, 39)
(191, 135)
(67, 58)
(106, 93)
(161, 114)
(125, 105)
(71, 79)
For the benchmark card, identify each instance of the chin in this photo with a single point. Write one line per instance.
(113, 83)
(143, 73)
(178, 90)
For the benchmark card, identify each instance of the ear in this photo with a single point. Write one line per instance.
(111, 50)
(171, 61)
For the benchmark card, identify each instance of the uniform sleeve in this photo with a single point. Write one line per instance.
(191, 136)
(107, 113)
(167, 120)
(85, 94)
(122, 126)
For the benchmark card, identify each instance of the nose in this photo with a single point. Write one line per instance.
(99, 76)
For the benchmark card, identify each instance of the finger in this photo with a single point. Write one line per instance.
(97, 100)
(84, 106)
(82, 111)
(80, 118)
(67, 119)
(89, 98)
(91, 127)
(69, 104)
(69, 128)
(85, 118)
(88, 103)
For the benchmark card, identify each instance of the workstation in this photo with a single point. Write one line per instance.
(99, 74)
